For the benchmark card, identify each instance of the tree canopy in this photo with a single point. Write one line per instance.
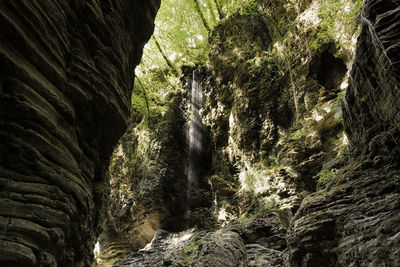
(180, 38)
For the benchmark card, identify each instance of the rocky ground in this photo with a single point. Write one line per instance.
(252, 242)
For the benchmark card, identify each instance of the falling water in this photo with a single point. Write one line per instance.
(195, 138)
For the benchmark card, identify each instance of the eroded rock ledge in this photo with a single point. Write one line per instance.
(66, 75)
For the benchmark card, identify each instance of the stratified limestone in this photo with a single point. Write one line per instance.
(355, 221)
(372, 103)
(66, 75)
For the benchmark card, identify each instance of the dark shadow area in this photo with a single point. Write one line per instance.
(331, 71)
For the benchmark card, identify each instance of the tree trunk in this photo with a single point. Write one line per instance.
(219, 10)
(203, 18)
(145, 95)
(169, 63)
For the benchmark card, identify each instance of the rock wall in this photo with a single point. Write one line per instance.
(147, 183)
(355, 220)
(274, 117)
(277, 135)
(372, 102)
(66, 76)
(274, 110)
(202, 248)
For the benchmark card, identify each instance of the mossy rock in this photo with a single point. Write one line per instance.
(221, 186)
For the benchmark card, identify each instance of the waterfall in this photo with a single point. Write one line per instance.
(195, 137)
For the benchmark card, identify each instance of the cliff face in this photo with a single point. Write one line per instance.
(291, 155)
(274, 118)
(372, 105)
(275, 125)
(279, 127)
(147, 183)
(66, 76)
(355, 220)
(274, 110)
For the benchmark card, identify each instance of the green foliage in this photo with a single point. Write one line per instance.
(242, 7)
(243, 218)
(325, 176)
(181, 34)
(324, 35)
(189, 249)
(179, 39)
(335, 20)
(340, 97)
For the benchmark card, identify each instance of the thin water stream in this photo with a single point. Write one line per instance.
(195, 138)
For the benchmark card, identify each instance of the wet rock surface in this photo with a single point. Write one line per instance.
(66, 76)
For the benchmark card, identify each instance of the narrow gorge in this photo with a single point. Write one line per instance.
(204, 133)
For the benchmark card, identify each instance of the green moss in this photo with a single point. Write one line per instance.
(243, 218)
(216, 179)
(191, 248)
(263, 209)
(331, 14)
(284, 218)
(340, 96)
(325, 176)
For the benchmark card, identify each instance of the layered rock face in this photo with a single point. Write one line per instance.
(274, 110)
(355, 220)
(274, 118)
(66, 76)
(372, 103)
(277, 135)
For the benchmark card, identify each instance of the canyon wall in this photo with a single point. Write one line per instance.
(288, 153)
(66, 75)
(273, 116)
(354, 221)
(305, 135)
